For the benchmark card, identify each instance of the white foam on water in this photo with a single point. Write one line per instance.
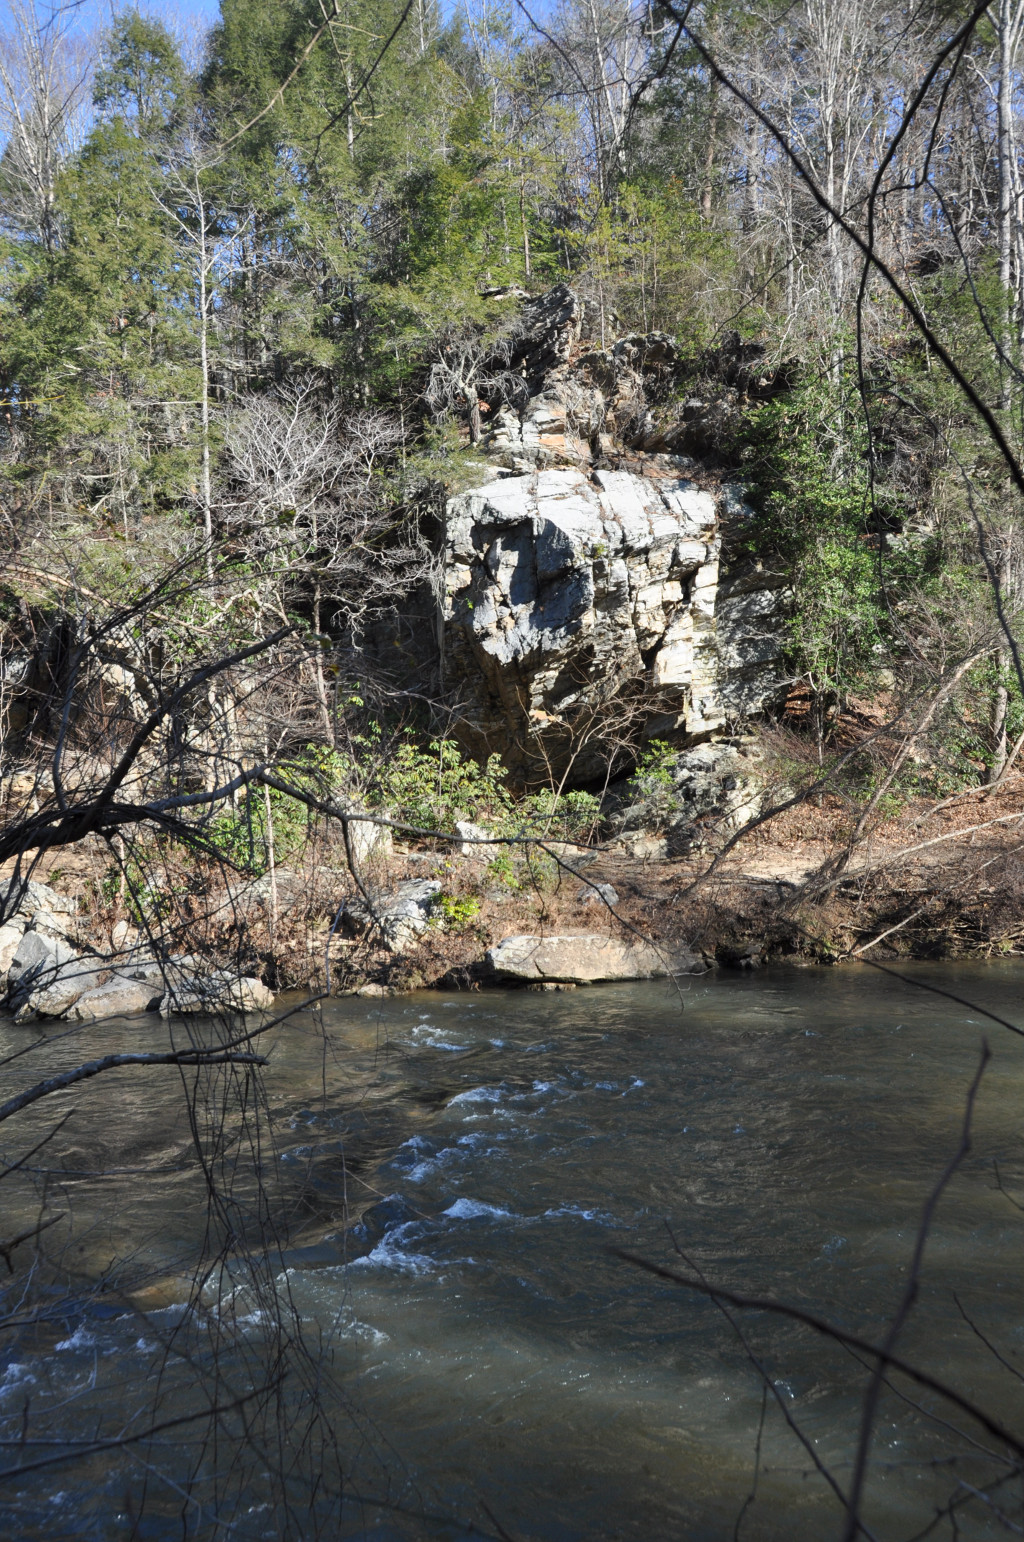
(473, 1209)
(16, 1375)
(478, 1095)
(389, 1254)
(386, 1256)
(433, 1037)
(78, 1340)
(602, 1217)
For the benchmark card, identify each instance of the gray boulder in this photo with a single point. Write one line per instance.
(11, 934)
(53, 924)
(401, 917)
(588, 959)
(715, 786)
(46, 976)
(599, 894)
(119, 997)
(71, 981)
(26, 897)
(37, 960)
(216, 991)
(470, 837)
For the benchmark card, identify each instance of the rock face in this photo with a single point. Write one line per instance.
(579, 598)
(562, 590)
(570, 597)
(587, 959)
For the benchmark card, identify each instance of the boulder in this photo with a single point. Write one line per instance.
(571, 586)
(369, 840)
(401, 916)
(45, 976)
(10, 936)
(123, 935)
(216, 991)
(36, 961)
(47, 921)
(71, 981)
(588, 959)
(119, 997)
(599, 894)
(26, 896)
(716, 785)
(470, 836)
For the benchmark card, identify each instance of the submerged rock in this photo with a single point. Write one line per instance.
(588, 959)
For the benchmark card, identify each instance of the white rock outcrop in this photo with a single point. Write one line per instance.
(589, 584)
(399, 918)
(569, 595)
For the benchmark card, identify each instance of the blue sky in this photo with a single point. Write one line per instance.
(96, 13)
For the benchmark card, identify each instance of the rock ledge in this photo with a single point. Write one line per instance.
(588, 959)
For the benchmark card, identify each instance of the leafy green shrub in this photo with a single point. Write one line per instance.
(503, 870)
(240, 835)
(147, 899)
(457, 913)
(652, 785)
(567, 816)
(435, 786)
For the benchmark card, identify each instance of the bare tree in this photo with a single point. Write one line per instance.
(310, 491)
(45, 70)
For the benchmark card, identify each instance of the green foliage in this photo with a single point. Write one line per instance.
(567, 816)
(503, 870)
(805, 453)
(656, 262)
(654, 767)
(435, 786)
(652, 783)
(142, 79)
(147, 900)
(457, 913)
(241, 835)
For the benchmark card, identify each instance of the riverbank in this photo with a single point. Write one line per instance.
(930, 883)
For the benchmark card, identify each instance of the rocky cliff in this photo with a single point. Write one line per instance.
(595, 594)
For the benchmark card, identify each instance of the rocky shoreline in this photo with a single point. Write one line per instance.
(560, 917)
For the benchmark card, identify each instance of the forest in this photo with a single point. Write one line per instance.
(255, 286)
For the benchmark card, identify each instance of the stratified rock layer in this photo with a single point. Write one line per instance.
(577, 603)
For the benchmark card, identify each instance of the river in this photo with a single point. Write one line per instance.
(449, 1176)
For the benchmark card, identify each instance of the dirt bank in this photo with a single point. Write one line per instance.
(933, 882)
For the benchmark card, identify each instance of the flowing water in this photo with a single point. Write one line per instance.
(454, 1173)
